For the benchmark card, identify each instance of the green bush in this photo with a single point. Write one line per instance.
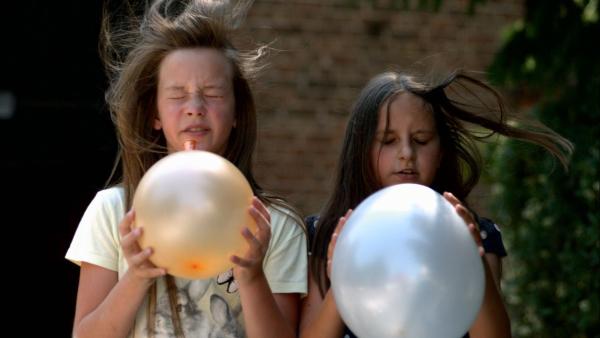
(552, 217)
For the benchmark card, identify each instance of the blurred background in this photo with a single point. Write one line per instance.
(58, 144)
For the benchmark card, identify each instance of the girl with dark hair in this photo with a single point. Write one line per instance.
(402, 130)
(176, 77)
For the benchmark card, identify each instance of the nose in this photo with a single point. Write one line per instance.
(405, 151)
(195, 107)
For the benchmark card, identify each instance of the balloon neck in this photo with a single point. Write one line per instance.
(189, 145)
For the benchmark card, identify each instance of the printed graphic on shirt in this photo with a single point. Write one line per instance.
(226, 278)
(213, 320)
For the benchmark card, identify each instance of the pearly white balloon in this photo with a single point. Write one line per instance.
(192, 206)
(405, 265)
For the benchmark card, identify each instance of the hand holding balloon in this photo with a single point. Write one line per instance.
(249, 266)
(467, 216)
(137, 259)
(331, 247)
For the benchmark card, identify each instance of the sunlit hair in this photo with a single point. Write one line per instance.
(132, 47)
(465, 110)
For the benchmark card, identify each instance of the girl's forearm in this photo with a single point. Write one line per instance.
(492, 320)
(262, 316)
(326, 322)
(114, 317)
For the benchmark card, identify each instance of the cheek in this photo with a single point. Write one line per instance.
(380, 163)
(434, 161)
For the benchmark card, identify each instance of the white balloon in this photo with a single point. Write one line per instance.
(405, 265)
(192, 206)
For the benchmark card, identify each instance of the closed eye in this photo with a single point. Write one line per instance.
(214, 96)
(388, 141)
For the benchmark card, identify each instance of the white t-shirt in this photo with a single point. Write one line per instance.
(209, 307)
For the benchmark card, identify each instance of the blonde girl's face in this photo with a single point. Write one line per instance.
(409, 151)
(195, 99)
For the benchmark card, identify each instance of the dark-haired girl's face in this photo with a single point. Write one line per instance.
(195, 99)
(409, 150)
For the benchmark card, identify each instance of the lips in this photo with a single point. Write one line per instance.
(196, 130)
(407, 172)
(406, 175)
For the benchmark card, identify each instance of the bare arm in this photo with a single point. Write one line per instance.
(492, 320)
(266, 314)
(495, 264)
(106, 306)
(319, 316)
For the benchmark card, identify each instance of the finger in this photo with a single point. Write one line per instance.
(144, 267)
(253, 242)
(264, 229)
(335, 235)
(342, 222)
(125, 225)
(475, 234)
(451, 198)
(152, 272)
(331, 246)
(465, 214)
(141, 258)
(258, 204)
(129, 242)
(131, 237)
(245, 263)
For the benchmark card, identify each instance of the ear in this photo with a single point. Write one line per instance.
(234, 123)
(157, 124)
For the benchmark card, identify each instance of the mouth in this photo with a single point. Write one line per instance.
(406, 172)
(406, 175)
(196, 131)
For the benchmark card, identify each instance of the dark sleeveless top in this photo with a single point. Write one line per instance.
(490, 237)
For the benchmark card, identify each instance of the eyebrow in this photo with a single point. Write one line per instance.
(181, 88)
(174, 88)
(420, 131)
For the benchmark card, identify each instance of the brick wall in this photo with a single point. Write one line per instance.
(326, 50)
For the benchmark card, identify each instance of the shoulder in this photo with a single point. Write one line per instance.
(110, 197)
(96, 239)
(114, 195)
(106, 208)
(284, 220)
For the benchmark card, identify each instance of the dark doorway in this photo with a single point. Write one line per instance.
(58, 147)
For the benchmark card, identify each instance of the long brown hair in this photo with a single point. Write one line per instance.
(132, 47)
(465, 109)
